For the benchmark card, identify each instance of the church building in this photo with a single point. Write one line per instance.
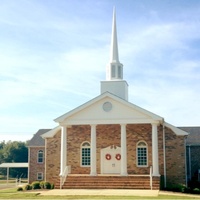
(109, 142)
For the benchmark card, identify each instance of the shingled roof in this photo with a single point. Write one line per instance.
(194, 135)
(37, 140)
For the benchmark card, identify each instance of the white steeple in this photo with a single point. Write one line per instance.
(114, 57)
(114, 73)
(114, 68)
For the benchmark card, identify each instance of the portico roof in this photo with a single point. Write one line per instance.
(14, 165)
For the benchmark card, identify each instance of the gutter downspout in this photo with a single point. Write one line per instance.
(189, 161)
(164, 157)
(186, 177)
(45, 160)
(29, 151)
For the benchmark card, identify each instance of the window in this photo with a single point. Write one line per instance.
(113, 71)
(40, 156)
(141, 154)
(120, 71)
(39, 176)
(85, 154)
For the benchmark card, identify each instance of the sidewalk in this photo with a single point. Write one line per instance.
(101, 192)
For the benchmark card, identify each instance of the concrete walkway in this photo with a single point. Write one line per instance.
(101, 192)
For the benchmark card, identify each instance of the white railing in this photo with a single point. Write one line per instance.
(150, 175)
(63, 176)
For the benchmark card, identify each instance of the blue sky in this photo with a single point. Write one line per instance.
(53, 55)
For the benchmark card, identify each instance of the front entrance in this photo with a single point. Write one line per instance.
(111, 160)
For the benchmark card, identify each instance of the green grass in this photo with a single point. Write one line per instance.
(13, 194)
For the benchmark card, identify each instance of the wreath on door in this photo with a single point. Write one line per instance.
(118, 156)
(108, 156)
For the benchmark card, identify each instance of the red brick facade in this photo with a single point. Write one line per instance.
(34, 166)
(108, 135)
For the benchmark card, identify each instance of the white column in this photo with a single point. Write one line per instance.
(93, 171)
(155, 161)
(63, 151)
(123, 151)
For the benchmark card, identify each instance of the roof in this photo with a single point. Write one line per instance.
(37, 140)
(176, 130)
(13, 165)
(51, 132)
(194, 135)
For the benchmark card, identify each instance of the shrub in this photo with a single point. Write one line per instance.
(19, 189)
(176, 188)
(47, 185)
(196, 191)
(28, 187)
(52, 186)
(42, 184)
(35, 185)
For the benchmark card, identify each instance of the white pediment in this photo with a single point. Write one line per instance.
(107, 109)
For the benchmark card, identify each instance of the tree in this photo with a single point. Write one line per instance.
(14, 151)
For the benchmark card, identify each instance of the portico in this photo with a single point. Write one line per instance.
(123, 145)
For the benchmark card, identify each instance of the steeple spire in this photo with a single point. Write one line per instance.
(114, 83)
(114, 68)
(114, 57)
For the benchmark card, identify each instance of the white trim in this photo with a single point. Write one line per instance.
(141, 166)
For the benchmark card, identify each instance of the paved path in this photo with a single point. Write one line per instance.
(101, 192)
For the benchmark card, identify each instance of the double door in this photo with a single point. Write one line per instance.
(111, 160)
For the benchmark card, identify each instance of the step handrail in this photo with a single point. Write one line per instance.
(63, 176)
(151, 177)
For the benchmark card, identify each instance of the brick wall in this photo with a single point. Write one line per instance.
(34, 166)
(175, 158)
(53, 158)
(108, 135)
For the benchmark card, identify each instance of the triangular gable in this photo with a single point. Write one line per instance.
(121, 112)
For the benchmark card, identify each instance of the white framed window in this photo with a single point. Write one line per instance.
(40, 157)
(142, 154)
(39, 176)
(85, 154)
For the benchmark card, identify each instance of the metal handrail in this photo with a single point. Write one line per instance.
(63, 176)
(150, 175)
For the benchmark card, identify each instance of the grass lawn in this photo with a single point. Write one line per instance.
(14, 194)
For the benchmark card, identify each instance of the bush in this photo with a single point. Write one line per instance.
(176, 188)
(28, 187)
(42, 184)
(196, 191)
(35, 185)
(19, 189)
(52, 186)
(47, 185)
